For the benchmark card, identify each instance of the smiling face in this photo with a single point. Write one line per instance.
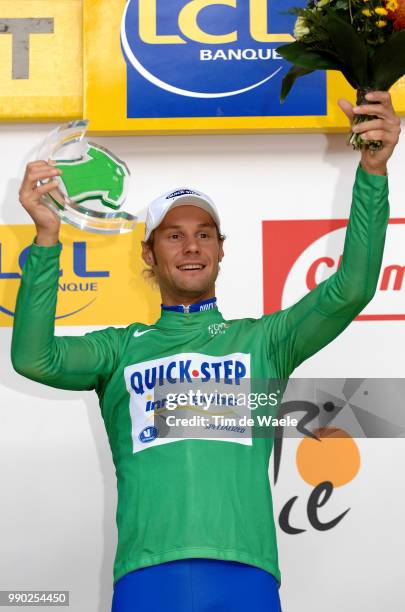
(185, 255)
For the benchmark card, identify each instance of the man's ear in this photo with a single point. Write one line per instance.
(147, 254)
(221, 252)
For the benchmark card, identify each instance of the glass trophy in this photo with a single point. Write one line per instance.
(93, 185)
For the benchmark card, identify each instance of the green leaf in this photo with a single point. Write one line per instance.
(290, 79)
(304, 56)
(388, 63)
(350, 48)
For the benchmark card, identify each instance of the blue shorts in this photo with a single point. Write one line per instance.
(197, 585)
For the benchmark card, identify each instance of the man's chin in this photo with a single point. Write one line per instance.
(193, 288)
(192, 291)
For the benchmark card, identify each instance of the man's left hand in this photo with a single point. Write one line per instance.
(386, 128)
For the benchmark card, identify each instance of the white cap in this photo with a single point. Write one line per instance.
(158, 209)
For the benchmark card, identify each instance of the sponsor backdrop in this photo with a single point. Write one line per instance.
(284, 201)
(175, 67)
(94, 268)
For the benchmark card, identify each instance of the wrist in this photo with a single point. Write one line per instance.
(380, 169)
(46, 239)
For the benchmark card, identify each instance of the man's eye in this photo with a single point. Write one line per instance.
(174, 236)
(204, 235)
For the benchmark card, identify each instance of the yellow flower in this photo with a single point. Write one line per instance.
(392, 5)
(366, 12)
(381, 11)
(381, 23)
(300, 28)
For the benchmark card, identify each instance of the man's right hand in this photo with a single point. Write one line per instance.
(47, 223)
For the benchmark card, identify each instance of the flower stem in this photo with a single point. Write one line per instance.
(355, 139)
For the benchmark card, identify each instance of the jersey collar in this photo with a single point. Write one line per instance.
(196, 307)
(173, 319)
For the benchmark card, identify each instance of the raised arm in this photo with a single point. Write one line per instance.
(296, 333)
(66, 362)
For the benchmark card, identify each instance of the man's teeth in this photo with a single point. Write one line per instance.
(191, 267)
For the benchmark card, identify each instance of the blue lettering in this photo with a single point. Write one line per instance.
(170, 368)
(8, 274)
(78, 287)
(150, 378)
(136, 383)
(161, 375)
(79, 262)
(23, 256)
(216, 366)
(184, 370)
(205, 371)
(240, 371)
(228, 372)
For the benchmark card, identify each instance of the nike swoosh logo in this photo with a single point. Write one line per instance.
(138, 333)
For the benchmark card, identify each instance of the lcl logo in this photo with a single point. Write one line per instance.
(188, 23)
(182, 28)
(80, 270)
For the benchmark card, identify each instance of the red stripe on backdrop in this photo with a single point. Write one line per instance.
(283, 242)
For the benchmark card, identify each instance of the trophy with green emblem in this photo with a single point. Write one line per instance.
(93, 185)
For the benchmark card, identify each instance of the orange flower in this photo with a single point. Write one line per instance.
(396, 14)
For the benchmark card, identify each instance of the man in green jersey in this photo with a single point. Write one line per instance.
(195, 498)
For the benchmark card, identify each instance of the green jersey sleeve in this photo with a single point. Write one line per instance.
(66, 362)
(295, 333)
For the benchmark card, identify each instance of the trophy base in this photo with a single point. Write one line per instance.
(91, 220)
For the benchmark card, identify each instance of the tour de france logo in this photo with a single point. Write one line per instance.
(326, 463)
(327, 455)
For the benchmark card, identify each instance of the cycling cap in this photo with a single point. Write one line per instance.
(177, 197)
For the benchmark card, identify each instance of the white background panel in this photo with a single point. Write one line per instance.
(58, 491)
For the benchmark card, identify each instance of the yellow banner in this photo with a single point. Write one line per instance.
(57, 56)
(105, 95)
(41, 51)
(101, 281)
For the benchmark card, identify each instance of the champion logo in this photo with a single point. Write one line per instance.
(138, 333)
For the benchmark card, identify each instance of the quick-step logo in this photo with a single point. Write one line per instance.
(149, 381)
(210, 58)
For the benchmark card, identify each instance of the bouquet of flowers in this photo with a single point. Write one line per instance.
(364, 39)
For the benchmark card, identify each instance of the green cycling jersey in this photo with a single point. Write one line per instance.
(180, 498)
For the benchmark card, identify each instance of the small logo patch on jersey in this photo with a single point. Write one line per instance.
(217, 328)
(148, 434)
(138, 333)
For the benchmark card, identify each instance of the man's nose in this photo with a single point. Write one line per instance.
(191, 245)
